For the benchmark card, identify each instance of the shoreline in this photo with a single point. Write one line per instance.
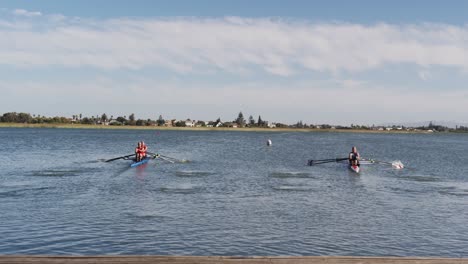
(245, 129)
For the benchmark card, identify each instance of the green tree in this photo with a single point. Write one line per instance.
(251, 120)
(180, 124)
(140, 122)
(160, 121)
(86, 121)
(104, 118)
(131, 119)
(121, 119)
(260, 121)
(240, 121)
(10, 117)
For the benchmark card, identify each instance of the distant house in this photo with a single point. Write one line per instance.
(229, 124)
(214, 124)
(115, 123)
(271, 124)
(168, 123)
(190, 123)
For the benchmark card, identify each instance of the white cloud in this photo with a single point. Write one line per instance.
(22, 12)
(232, 44)
(339, 54)
(306, 101)
(424, 75)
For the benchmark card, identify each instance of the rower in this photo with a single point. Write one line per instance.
(144, 148)
(354, 157)
(138, 152)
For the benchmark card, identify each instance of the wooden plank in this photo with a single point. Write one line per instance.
(223, 260)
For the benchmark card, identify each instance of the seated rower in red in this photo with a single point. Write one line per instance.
(144, 148)
(138, 152)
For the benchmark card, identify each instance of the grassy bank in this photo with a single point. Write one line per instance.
(255, 129)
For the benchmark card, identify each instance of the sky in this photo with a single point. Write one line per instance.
(334, 62)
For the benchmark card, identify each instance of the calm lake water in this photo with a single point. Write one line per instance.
(236, 196)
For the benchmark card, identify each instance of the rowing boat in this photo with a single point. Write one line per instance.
(141, 162)
(354, 168)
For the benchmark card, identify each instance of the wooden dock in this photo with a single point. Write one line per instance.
(224, 260)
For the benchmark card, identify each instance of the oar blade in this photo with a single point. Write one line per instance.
(397, 165)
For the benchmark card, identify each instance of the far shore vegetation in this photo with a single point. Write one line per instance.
(13, 119)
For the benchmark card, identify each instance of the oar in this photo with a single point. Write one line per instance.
(123, 157)
(156, 155)
(163, 158)
(167, 158)
(174, 159)
(316, 162)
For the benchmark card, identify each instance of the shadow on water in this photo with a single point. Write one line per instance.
(188, 173)
(180, 189)
(453, 191)
(420, 178)
(121, 171)
(19, 192)
(146, 216)
(291, 175)
(57, 173)
(293, 188)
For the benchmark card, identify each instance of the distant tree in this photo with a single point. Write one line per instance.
(86, 121)
(104, 118)
(24, 118)
(200, 123)
(121, 119)
(9, 117)
(140, 122)
(251, 120)
(240, 121)
(131, 119)
(260, 121)
(149, 122)
(81, 115)
(160, 121)
(180, 123)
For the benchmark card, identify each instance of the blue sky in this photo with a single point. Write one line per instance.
(338, 62)
(361, 11)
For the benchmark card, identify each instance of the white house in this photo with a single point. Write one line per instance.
(190, 123)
